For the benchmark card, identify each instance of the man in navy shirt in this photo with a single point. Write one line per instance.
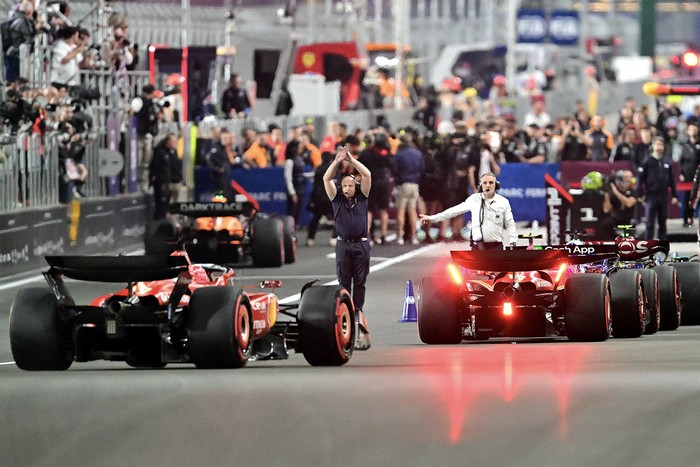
(352, 249)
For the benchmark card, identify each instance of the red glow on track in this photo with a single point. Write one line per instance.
(466, 377)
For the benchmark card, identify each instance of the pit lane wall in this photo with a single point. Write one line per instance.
(83, 227)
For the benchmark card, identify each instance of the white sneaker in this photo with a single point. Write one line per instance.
(309, 242)
(399, 241)
(333, 241)
(415, 241)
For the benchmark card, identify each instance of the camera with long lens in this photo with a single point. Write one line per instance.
(15, 112)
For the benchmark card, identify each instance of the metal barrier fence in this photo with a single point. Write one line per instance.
(29, 173)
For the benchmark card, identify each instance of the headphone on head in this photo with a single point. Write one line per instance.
(498, 184)
(357, 183)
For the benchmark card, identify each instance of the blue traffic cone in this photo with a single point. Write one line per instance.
(409, 305)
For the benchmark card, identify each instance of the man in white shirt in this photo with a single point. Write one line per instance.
(65, 58)
(492, 218)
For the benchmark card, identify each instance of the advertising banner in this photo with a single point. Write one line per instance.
(524, 186)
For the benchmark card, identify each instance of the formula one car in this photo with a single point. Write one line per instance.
(174, 311)
(661, 282)
(224, 232)
(516, 293)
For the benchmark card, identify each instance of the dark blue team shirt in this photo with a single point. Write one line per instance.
(350, 215)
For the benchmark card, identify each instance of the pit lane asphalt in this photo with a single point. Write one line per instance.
(525, 402)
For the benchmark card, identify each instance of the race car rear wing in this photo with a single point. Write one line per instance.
(546, 257)
(118, 268)
(213, 209)
(509, 260)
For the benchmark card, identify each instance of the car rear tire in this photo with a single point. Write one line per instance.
(326, 325)
(267, 243)
(39, 339)
(627, 303)
(689, 278)
(160, 237)
(587, 308)
(650, 283)
(670, 298)
(290, 239)
(438, 311)
(220, 328)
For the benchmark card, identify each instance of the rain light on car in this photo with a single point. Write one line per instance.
(454, 273)
(560, 273)
(507, 309)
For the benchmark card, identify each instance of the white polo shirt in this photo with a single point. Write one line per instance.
(497, 224)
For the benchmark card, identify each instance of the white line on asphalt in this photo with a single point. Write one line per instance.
(18, 283)
(7, 363)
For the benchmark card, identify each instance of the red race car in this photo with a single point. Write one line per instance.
(174, 311)
(515, 293)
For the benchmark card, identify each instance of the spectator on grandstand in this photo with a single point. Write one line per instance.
(22, 28)
(598, 140)
(235, 102)
(66, 56)
(537, 113)
(625, 120)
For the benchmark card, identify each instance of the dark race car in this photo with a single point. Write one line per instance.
(225, 232)
(662, 279)
(174, 311)
(515, 293)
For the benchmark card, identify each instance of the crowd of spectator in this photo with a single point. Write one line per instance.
(444, 158)
(58, 101)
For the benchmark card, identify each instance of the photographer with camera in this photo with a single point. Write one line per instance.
(15, 111)
(21, 29)
(66, 56)
(71, 152)
(619, 202)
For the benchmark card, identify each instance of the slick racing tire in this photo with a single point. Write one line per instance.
(670, 297)
(220, 327)
(627, 300)
(290, 239)
(438, 311)
(587, 311)
(652, 298)
(689, 278)
(39, 339)
(160, 237)
(326, 325)
(267, 243)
